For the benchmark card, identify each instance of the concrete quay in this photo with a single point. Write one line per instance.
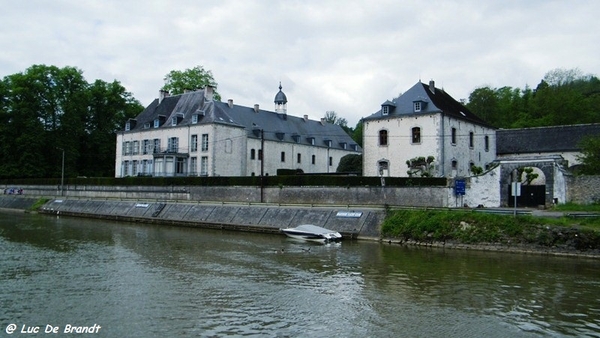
(351, 222)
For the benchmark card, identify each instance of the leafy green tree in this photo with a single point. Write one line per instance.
(351, 163)
(177, 82)
(357, 134)
(590, 156)
(47, 111)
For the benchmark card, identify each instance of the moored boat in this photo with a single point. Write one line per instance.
(311, 232)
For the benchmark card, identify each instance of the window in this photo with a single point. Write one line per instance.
(156, 146)
(416, 135)
(385, 110)
(383, 138)
(453, 135)
(383, 168)
(487, 143)
(314, 159)
(204, 166)
(173, 145)
(328, 143)
(136, 148)
(194, 166)
(174, 120)
(204, 142)
(156, 123)
(299, 158)
(180, 166)
(471, 139)
(417, 106)
(134, 168)
(194, 143)
(195, 119)
(252, 154)
(145, 146)
(311, 140)
(127, 126)
(125, 168)
(454, 165)
(260, 154)
(127, 148)
(330, 161)
(283, 156)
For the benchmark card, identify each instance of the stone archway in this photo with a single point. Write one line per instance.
(509, 166)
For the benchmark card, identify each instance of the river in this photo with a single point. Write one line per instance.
(136, 280)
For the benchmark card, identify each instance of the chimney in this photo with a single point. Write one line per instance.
(305, 118)
(432, 86)
(256, 108)
(209, 91)
(161, 95)
(230, 103)
(322, 120)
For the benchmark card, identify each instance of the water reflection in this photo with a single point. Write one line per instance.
(146, 280)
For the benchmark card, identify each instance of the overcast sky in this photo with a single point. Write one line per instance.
(342, 56)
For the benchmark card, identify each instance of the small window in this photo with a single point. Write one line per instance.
(454, 164)
(174, 121)
(156, 123)
(299, 158)
(385, 110)
(330, 161)
(195, 119)
(260, 154)
(252, 154)
(147, 125)
(127, 126)
(283, 156)
(416, 135)
(487, 143)
(471, 139)
(314, 159)
(156, 146)
(453, 135)
(383, 138)
(417, 106)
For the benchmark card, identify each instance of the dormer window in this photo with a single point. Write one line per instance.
(385, 110)
(195, 119)
(127, 126)
(147, 125)
(328, 143)
(417, 106)
(311, 140)
(130, 124)
(174, 121)
(156, 123)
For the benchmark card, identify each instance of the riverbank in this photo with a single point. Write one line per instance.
(457, 229)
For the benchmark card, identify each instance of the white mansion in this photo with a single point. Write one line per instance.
(193, 135)
(426, 121)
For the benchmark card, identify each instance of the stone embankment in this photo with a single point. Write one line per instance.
(350, 222)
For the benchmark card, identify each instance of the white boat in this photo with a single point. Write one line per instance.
(311, 232)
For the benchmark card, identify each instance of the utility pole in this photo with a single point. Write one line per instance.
(262, 164)
(62, 175)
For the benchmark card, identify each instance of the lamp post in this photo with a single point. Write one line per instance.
(62, 175)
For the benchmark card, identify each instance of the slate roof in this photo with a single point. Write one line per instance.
(276, 126)
(433, 100)
(544, 139)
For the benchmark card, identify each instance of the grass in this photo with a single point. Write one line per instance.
(578, 207)
(477, 228)
(38, 204)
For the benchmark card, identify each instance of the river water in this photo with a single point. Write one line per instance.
(137, 280)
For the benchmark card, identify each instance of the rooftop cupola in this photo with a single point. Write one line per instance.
(280, 102)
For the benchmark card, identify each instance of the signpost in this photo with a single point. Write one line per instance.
(516, 191)
(460, 188)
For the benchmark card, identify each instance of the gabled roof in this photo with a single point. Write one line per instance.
(544, 139)
(276, 126)
(433, 100)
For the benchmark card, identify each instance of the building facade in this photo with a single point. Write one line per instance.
(426, 132)
(193, 135)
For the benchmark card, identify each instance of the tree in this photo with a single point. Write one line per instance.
(177, 82)
(47, 110)
(590, 156)
(351, 163)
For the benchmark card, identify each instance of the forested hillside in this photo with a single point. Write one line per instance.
(562, 97)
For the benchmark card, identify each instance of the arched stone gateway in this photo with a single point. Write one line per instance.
(553, 190)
